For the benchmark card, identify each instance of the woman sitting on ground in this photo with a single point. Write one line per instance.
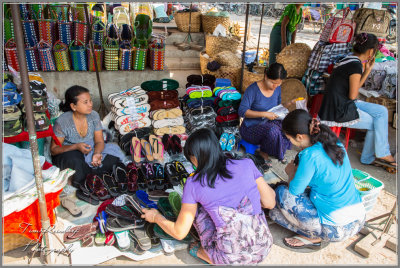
(340, 106)
(222, 195)
(80, 132)
(259, 126)
(331, 208)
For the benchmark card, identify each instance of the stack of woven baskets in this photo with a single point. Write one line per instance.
(210, 21)
(222, 50)
(294, 58)
(182, 21)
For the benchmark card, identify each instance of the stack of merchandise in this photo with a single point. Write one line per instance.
(130, 109)
(11, 112)
(226, 104)
(199, 112)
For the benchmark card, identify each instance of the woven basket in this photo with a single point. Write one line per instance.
(249, 78)
(61, 56)
(294, 58)
(203, 62)
(14, 241)
(217, 44)
(182, 21)
(210, 22)
(228, 58)
(390, 104)
(232, 73)
(292, 89)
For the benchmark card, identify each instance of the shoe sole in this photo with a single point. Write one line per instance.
(125, 119)
(145, 108)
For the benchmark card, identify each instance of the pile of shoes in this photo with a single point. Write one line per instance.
(11, 112)
(152, 178)
(227, 141)
(226, 105)
(125, 141)
(200, 117)
(151, 148)
(172, 144)
(130, 109)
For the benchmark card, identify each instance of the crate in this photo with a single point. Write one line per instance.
(368, 188)
(390, 104)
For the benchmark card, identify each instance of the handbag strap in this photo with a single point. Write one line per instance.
(77, 40)
(98, 22)
(9, 43)
(43, 44)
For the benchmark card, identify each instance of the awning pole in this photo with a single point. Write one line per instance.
(259, 33)
(244, 47)
(19, 39)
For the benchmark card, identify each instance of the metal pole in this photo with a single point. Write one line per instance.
(244, 46)
(44, 219)
(102, 108)
(259, 33)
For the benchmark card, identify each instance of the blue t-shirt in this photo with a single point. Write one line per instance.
(227, 192)
(254, 100)
(333, 191)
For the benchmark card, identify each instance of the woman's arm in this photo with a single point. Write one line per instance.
(294, 36)
(178, 229)
(284, 24)
(267, 194)
(356, 80)
(256, 114)
(55, 149)
(98, 142)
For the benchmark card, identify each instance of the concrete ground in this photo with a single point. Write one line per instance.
(331, 254)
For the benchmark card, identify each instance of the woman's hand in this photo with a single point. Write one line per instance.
(83, 147)
(370, 63)
(150, 214)
(291, 170)
(96, 159)
(270, 116)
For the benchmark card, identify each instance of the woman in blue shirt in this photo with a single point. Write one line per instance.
(331, 208)
(260, 126)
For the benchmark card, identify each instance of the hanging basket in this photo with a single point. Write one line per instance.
(204, 61)
(47, 28)
(11, 54)
(139, 57)
(46, 57)
(98, 32)
(217, 44)
(157, 56)
(125, 56)
(294, 58)
(8, 26)
(30, 30)
(249, 78)
(111, 50)
(32, 58)
(81, 32)
(292, 88)
(98, 53)
(210, 22)
(182, 21)
(78, 56)
(61, 56)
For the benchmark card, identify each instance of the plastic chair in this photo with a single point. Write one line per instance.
(249, 147)
(337, 130)
(316, 103)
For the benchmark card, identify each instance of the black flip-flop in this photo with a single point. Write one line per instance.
(111, 185)
(307, 243)
(85, 196)
(381, 161)
(141, 237)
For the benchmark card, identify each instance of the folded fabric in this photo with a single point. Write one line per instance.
(11, 98)
(42, 122)
(109, 149)
(202, 80)
(163, 104)
(163, 84)
(234, 103)
(9, 86)
(192, 88)
(217, 89)
(230, 95)
(213, 66)
(201, 110)
(200, 104)
(223, 82)
(226, 110)
(200, 94)
(170, 130)
(12, 128)
(162, 95)
(166, 113)
(188, 100)
(168, 122)
(11, 113)
(226, 118)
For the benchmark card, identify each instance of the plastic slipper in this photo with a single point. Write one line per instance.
(102, 220)
(100, 239)
(167, 246)
(135, 248)
(157, 194)
(147, 147)
(124, 212)
(87, 241)
(159, 232)
(231, 142)
(70, 205)
(78, 232)
(157, 147)
(122, 240)
(128, 225)
(147, 170)
(135, 203)
(135, 149)
(144, 198)
(155, 241)
(111, 185)
(110, 239)
(175, 201)
(141, 238)
(119, 171)
(223, 141)
(85, 196)
(307, 243)
(165, 208)
(160, 183)
(172, 175)
(193, 251)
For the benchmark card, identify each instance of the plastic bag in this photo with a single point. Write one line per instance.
(301, 103)
(220, 31)
(280, 111)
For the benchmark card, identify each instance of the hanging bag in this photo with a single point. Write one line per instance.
(125, 56)
(61, 56)
(98, 32)
(46, 56)
(81, 30)
(63, 11)
(30, 30)
(78, 56)
(372, 21)
(326, 31)
(157, 56)
(343, 29)
(111, 49)
(139, 56)
(11, 54)
(32, 58)
(98, 53)
(65, 29)
(8, 26)
(48, 27)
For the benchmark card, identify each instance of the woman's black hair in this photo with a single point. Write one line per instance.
(203, 144)
(298, 122)
(365, 41)
(275, 71)
(71, 97)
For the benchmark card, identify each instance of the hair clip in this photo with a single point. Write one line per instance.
(365, 37)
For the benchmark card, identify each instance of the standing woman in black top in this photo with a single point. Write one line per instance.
(340, 106)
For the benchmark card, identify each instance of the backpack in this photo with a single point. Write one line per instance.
(372, 21)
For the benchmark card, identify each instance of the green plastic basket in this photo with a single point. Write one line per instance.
(368, 188)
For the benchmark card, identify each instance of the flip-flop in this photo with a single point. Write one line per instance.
(231, 142)
(70, 205)
(135, 247)
(85, 196)
(111, 185)
(123, 240)
(167, 246)
(166, 209)
(175, 201)
(157, 147)
(100, 239)
(135, 203)
(78, 232)
(147, 147)
(155, 241)
(307, 243)
(193, 251)
(110, 239)
(141, 238)
(135, 149)
(223, 141)
(381, 161)
(144, 198)
(102, 220)
(87, 241)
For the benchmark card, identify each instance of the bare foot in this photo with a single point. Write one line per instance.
(200, 253)
(264, 155)
(390, 159)
(297, 243)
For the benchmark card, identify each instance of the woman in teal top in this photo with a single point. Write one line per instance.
(284, 31)
(331, 208)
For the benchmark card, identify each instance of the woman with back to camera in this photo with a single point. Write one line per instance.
(80, 132)
(340, 106)
(224, 200)
(331, 209)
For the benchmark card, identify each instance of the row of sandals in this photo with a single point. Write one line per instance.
(151, 177)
